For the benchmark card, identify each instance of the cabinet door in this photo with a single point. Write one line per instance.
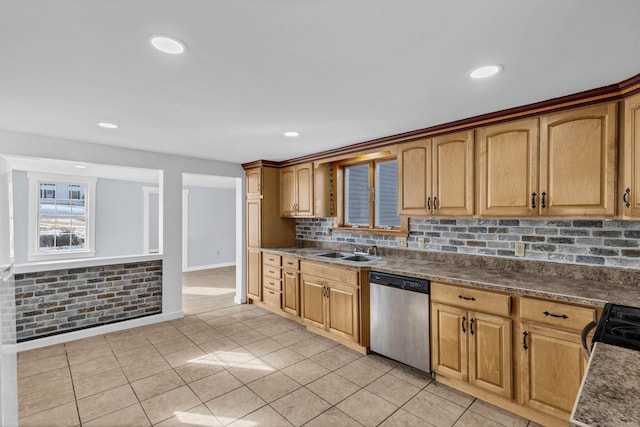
(343, 311)
(490, 354)
(414, 178)
(578, 161)
(449, 327)
(304, 190)
(508, 172)
(291, 292)
(287, 191)
(254, 223)
(553, 366)
(254, 182)
(631, 159)
(313, 301)
(453, 174)
(254, 275)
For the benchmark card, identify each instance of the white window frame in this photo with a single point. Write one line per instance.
(35, 179)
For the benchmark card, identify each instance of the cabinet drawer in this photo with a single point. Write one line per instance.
(271, 259)
(271, 271)
(560, 315)
(290, 263)
(472, 299)
(271, 283)
(336, 274)
(272, 297)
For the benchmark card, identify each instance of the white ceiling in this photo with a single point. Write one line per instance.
(337, 71)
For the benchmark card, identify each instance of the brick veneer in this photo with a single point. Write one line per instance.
(53, 302)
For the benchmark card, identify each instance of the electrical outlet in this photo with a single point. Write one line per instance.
(519, 249)
(402, 242)
(421, 242)
(313, 234)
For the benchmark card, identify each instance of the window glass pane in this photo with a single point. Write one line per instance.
(62, 217)
(387, 194)
(357, 195)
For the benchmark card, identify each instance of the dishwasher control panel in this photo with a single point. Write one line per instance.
(400, 282)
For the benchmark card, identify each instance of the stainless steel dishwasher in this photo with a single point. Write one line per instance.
(400, 318)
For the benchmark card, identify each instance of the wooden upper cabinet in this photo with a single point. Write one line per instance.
(287, 191)
(629, 191)
(508, 168)
(254, 182)
(578, 162)
(435, 176)
(304, 190)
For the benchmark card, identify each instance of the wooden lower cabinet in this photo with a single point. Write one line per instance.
(291, 292)
(553, 365)
(254, 264)
(314, 302)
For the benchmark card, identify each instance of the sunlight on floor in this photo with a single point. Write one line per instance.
(195, 419)
(230, 358)
(207, 291)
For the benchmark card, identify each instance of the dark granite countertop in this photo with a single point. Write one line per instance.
(579, 291)
(610, 390)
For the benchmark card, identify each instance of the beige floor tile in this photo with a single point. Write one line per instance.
(199, 369)
(411, 375)
(166, 405)
(34, 383)
(27, 369)
(206, 336)
(273, 386)
(333, 417)
(173, 345)
(296, 413)
(455, 396)
(263, 346)
(215, 385)
(61, 416)
(275, 329)
(233, 357)
(532, 424)
(310, 347)
(233, 329)
(85, 343)
(200, 416)
(94, 366)
(98, 383)
(499, 415)
(194, 328)
(247, 337)
(216, 320)
(189, 355)
(360, 373)
(129, 344)
(393, 389)
(366, 408)
(379, 362)
(282, 358)
(187, 320)
(145, 367)
(305, 371)
(434, 409)
(104, 403)
(132, 416)
(402, 418)
(251, 370)
(471, 419)
(127, 357)
(259, 322)
(234, 405)
(333, 358)
(43, 400)
(156, 384)
(287, 337)
(333, 388)
(265, 416)
(40, 353)
(218, 344)
(83, 355)
(165, 335)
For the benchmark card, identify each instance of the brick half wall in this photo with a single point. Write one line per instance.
(59, 301)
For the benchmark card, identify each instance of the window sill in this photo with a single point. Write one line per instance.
(55, 256)
(378, 231)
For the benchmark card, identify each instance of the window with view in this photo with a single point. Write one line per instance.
(61, 220)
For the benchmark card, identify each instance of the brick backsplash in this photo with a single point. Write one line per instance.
(588, 242)
(53, 302)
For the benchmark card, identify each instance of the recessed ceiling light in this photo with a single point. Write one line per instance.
(291, 134)
(168, 44)
(80, 166)
(486, 71)
(108, 125)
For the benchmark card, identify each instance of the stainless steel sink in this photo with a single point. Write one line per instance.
(333, 255)
(361, 258)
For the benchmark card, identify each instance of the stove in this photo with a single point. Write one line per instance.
(620, 326)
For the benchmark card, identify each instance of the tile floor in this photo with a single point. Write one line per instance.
(236, 365)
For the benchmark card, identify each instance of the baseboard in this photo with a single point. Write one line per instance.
(207, 267)
(98, 330)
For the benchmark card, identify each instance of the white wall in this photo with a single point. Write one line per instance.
(211, 227)
(171, 198)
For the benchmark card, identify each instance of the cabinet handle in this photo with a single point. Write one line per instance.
(464, 319)
(544, 194)
(271, 292)
(524, 340)
(471, 326)
(625, 197)
(429, 203)
(466, 298)
(289, 262)
(435, 203)
(562, 316)
(533, 200)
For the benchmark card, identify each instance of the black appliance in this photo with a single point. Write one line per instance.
(619, 326)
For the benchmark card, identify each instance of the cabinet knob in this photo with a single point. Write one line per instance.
(625, 198)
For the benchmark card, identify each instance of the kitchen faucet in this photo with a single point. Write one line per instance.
(373, 249)
(357, 249)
